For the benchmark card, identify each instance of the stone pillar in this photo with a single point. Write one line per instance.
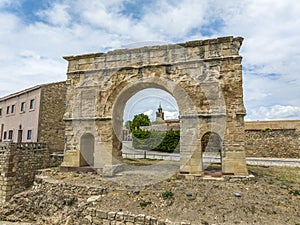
(190, 149)
(234, 158)
(104, 151)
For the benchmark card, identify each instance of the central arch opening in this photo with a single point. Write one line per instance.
(188, 124)
(156, 114)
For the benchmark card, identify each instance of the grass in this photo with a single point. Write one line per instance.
(167, 195)
(283, 174)
(141, 162)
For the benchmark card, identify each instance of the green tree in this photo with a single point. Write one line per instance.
(139, 121)
(128, 124)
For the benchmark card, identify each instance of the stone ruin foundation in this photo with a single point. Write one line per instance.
(204, 77)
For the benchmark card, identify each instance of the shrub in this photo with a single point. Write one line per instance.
(294, 192)
(167, 195)
(156, 140)
(266, 130)
(144, 204)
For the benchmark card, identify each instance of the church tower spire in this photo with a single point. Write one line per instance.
(160, 114)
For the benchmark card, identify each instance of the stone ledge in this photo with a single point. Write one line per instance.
(88, 119)
(112, 69)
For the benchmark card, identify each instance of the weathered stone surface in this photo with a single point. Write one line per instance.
(61, 198)
(205, 78)
(111, 170)
(51, 125)
(19, 163)
(275, 143)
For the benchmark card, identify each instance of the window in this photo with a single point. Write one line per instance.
(5, 135)
(12, 109)
(0, 111)
(31, 104)
(10, 134)
(23, 106)
(29, 134)
(7, 110)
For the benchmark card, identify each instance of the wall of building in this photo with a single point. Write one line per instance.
(19, 164)
(44, 119)
(21, 120)
(52, 109)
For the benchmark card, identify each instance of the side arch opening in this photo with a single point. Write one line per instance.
(87, 150)
(211, 145)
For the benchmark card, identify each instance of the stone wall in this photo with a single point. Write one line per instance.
(52, 109)
(273, 125)
(94, 216)
(50, 196)
(283, 143)
(19, 164)
(160, 127)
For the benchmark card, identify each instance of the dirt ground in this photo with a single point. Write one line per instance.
(272, 196)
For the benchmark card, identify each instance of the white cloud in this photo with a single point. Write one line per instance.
(150, 114)
(276, 112)
(107, 15)
(271, 31)
(147, 101)
(9, 25)
(270, 51)
(171, 115)
(57, 15)
(31, 51)
(175, 19)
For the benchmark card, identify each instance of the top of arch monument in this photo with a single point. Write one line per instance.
(222, 47)
(187, 44)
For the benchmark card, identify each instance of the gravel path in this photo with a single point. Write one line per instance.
(136, 154)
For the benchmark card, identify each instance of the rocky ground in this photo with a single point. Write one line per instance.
(272, 196)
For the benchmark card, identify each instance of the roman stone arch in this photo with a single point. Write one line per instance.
(205, 78)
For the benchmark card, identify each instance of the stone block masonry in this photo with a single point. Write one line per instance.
(84, 197)
(275, 139)
(19, 164)
(273, 143)
(94, 216)
(52, 109)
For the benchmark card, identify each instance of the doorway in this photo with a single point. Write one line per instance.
(211, 144)
(87, 149)
(20, 136)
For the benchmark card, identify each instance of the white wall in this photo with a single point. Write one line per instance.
(27, 120)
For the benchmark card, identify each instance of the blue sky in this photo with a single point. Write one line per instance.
(34, 36)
